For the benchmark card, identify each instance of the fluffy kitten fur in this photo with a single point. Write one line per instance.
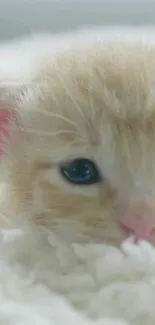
(84, 95)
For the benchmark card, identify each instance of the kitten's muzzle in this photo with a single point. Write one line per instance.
(139, 220)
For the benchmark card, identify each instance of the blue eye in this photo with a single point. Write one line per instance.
(80, 171)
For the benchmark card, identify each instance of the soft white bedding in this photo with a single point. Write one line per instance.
(44, 281)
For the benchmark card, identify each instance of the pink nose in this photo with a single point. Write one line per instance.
(139, 221)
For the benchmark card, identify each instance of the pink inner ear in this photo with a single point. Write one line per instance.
(6, 115)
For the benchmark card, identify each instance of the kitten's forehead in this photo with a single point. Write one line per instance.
(101, 88)
(110, 79)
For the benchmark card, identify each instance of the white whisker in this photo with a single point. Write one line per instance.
(6, 219)
(45, 133)
(75, 104)
(72, 99)
(56, 115)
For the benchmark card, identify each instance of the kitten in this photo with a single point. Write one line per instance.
(80, 156)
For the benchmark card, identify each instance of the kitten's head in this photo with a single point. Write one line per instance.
(82, 162)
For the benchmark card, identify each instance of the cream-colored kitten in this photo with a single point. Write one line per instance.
(81, 156)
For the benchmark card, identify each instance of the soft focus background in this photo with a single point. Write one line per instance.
(19, 17)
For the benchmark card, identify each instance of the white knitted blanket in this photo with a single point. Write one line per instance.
(44, 281)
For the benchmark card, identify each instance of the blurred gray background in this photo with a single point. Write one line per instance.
(19, 17)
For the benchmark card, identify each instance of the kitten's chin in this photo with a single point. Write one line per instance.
(72, 232)
(90, 237)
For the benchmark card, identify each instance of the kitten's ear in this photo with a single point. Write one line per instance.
(8, 111)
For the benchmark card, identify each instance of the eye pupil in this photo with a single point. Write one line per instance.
(80, 171)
